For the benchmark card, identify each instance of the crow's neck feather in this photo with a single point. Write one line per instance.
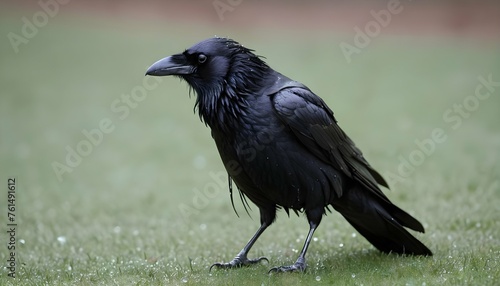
(221, 103)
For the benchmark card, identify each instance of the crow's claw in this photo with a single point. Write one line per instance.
(296, 267)
(238, 261)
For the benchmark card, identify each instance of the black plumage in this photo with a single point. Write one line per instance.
(281, 145)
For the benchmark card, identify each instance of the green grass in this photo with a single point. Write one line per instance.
(115, 220)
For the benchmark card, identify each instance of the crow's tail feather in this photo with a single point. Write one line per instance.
(395, 240)
(381, 222)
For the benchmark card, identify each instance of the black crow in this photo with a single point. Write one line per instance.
(281, 145)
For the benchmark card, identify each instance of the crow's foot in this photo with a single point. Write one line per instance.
(238, 261)
(299, 266)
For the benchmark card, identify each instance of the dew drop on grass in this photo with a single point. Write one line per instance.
(61, 239)
(315, 239)
(184, 280)
(21, 241)
(341, 245)
(318, 278)
(353, 275)
(353, 235)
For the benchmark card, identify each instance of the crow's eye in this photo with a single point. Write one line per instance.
(202, 58)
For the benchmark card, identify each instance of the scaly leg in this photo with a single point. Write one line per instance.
(314, 218)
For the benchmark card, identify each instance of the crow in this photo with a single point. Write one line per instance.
(282, 147)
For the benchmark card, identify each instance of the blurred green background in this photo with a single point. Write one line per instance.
(148, 204)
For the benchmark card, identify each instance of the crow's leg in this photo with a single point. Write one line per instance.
(241, 259)
(314, 218)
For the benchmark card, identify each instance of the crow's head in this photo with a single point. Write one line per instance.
(220, 70)
(210, 64)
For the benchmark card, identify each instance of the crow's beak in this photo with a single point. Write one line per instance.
(169, 66)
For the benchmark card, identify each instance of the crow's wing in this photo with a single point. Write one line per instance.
(314, 125)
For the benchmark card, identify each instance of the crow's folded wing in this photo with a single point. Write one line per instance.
(314, 125)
